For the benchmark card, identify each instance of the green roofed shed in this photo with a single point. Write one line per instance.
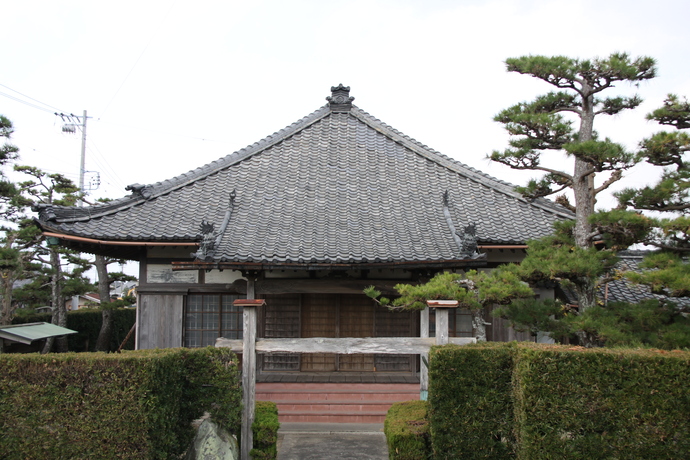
(28, 333)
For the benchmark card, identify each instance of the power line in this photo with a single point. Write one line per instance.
(25, 102)
(166, 133)
(139, 58)
(28, 97)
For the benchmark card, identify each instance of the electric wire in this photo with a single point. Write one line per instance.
(29, 97)
(166, 133)
(21, 101)
(153, 35)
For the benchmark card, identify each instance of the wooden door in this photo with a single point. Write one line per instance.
(356, 319)
(337, 315)
(319, 318)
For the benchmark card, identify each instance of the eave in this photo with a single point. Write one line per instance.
(263, 266)
(131, 250)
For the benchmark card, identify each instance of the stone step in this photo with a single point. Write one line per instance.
(334, 402)
(332, 417)
(335, 405)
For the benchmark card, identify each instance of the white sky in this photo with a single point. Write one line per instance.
(173, 85)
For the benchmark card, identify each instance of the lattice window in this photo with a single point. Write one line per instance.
(209, 316)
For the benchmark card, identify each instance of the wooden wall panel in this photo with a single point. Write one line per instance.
(500, 331)
(160, 321)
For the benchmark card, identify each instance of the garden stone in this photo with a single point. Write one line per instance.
(211, 443)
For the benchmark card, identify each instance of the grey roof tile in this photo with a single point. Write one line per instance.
(332, 186)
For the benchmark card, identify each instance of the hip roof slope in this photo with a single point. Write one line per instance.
(334, 186)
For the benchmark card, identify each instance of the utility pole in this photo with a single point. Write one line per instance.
(82, 165)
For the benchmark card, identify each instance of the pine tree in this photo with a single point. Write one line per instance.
(474, 292)
(667, 270)
(539, 127)
(43, 188)
(107, 305)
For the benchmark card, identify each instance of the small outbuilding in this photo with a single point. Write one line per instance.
(30, 337)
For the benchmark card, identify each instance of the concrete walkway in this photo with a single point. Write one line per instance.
(332, 441)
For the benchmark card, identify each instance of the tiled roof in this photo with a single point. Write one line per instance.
(336, 186)
(623, 290)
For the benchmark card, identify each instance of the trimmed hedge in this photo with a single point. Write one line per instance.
(265, 431)
(107, 406)
(582, 404)
(470, 396)
(87, 323)
(407, 431)
(535, 402)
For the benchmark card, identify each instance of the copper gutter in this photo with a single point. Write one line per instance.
(503, 246)
(81, 239)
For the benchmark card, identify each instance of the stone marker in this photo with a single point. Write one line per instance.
(211, 443)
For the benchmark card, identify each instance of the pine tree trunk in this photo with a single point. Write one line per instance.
(479, 325)
(7, 310)
(59, 310)
(103, 341)
(583, 189)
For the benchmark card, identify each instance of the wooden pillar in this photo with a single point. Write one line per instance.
(249, 307)
(442, 307)
(424, 357)
(441, 326)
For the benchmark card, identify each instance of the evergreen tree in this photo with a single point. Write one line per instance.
(43, 188)
(17, 239)
(667, 271)
(539, 127)
(107, 305)
(474, 292)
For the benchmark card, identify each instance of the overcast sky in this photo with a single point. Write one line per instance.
(172, 85)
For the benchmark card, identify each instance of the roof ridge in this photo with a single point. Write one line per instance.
(455, 165)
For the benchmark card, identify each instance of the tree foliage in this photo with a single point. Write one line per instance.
(665, 272)
(473, 291)
(540, 126)
(57, 273)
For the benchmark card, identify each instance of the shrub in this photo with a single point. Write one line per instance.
(470, 396)
(575, 403)
(265, 431)
(407, 431)
(535, 402)
(108, 406)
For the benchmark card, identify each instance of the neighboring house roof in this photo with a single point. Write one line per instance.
(91, 297)
(27, 333)
(337, 186)
(623, 290)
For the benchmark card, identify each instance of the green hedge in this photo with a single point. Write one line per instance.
(108, 406)
(583, 404)
(535, 402)
(265, 431)
(407, 431)
(470, 396)
(87, 323)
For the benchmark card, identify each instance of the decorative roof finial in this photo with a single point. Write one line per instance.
(340, 99)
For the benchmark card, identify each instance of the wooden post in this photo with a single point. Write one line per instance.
(441, 326)
(442, 307)
(248, 367)
(423, 369)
